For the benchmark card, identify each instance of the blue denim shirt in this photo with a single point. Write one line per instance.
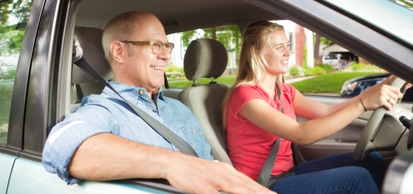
(99, 114)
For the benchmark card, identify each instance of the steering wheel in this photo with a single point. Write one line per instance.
(366, 143)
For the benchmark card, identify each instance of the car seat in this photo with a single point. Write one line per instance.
(90, 40)
(207, 58)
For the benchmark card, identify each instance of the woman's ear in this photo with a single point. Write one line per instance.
(118, 51)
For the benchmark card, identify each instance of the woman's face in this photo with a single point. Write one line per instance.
(277, 53)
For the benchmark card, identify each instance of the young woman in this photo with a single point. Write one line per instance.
(260, 108)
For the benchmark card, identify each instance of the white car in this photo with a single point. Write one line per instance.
(333, 60)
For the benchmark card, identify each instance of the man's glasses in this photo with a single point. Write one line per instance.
(157, 46)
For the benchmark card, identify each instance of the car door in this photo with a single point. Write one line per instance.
(6, 164)
(9, 52)
(40, 78)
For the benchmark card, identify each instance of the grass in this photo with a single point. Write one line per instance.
(327, 83)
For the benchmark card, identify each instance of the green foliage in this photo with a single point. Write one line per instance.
(18, 9)
(187, 37)
(327, 68)
(4, 12)
(362, 67)
(309, 71)
(305, 65)
(21, 9)
(229, 35)
(10, 39)
(294, 71)
(173, 71)
(325, 41)
(6, 90)
(11, 32)
(314, 71)
(8, 75)
(327, 83)
(173, 68)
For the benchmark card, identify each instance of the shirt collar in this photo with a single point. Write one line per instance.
(129, 92)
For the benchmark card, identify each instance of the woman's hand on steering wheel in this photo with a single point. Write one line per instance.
(382, 95)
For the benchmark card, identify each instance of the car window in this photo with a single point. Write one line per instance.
(321, 73)
(12, 22)
(229, 35)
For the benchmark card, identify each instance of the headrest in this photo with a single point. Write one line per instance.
(205, 58)
(88, 44)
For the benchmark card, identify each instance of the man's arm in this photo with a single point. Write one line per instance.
(109, 157)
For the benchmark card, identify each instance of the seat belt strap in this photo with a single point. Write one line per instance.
(265, 174)
(166, 133)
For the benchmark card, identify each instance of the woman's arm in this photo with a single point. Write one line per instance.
(310, 109)
(328, 120)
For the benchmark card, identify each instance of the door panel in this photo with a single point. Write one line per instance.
(30, 177)
(6, 164)
(342, 142)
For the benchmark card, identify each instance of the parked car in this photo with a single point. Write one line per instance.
(355, 86)
(38, 91)
(334, 60)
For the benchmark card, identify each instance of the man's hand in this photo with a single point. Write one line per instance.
(196, 175)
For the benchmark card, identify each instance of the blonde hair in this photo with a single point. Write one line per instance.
(252, 64)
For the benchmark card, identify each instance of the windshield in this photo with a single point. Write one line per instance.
(383, 14)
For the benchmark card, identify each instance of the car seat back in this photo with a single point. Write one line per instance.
(90, 41)
(207, 58)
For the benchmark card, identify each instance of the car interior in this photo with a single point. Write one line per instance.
(83, 84)
(204, 58)
(41, 84)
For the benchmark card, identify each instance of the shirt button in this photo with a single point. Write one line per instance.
(193, 132)
(140, 91)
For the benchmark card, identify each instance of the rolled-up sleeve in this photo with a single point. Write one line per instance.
(69, 134)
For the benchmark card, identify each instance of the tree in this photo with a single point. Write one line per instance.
(14, 13)
(318, 41)
(228, 35)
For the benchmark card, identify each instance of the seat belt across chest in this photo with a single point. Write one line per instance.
(160, 128)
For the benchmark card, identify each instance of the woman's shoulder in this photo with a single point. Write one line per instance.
(289, 90)
(247, 87)
(249, 91)
(289, 87)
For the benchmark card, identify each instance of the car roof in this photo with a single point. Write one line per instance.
(176, 16)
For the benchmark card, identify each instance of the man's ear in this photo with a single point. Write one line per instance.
(118, 51)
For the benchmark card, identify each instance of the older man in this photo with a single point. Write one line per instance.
(104, 141)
